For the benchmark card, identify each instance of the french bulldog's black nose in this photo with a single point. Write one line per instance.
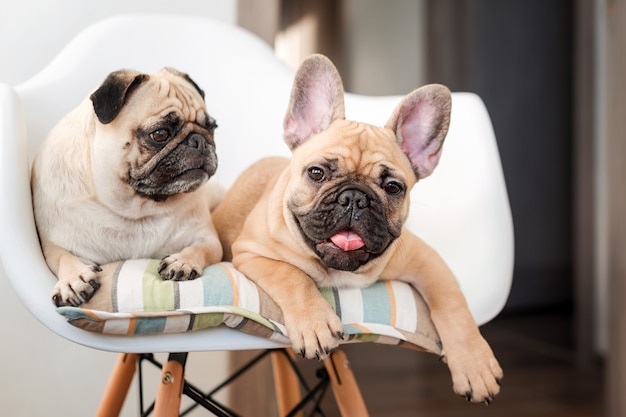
(197, 141)
(353, 199)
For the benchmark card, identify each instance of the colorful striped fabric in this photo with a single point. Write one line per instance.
(133, 299)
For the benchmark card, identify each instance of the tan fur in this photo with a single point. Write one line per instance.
(271, 250)
(87, 213)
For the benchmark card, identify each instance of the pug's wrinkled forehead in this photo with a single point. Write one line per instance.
(166, 90)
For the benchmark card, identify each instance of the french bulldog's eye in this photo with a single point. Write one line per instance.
(317, 174)
(160, 135)
(393, 187)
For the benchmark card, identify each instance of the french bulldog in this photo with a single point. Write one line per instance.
(125, 175)
(333, 216)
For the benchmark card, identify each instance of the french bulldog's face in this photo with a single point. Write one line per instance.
(157, 130)
(349, 193)
(349, 182)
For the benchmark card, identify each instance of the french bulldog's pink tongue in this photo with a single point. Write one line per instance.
(347, 240)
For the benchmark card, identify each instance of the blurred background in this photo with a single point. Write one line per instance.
(549, 73)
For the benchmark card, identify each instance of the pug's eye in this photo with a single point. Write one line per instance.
(160, 135)
(317, 174)
(393, 188)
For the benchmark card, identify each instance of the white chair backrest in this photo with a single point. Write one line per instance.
(462, 209)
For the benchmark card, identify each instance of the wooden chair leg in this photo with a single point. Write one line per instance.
(286, 382)
(345, 388)
(117, 388)
(170, 388)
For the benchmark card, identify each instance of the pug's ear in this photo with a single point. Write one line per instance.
(316, 100)
(109, 98)
(420, 123)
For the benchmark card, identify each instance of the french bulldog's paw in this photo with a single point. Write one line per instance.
(476, 373)
(175, 267)
(78, 288)
(315, 336)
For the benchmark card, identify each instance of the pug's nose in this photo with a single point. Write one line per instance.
(197, 141)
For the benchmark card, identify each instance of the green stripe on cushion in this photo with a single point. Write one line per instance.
(203, 321)
(158, 294)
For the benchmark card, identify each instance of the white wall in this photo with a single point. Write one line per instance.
(34, 31)
(43, 374)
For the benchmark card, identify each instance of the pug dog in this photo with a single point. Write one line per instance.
(125, 175)
(333, 216)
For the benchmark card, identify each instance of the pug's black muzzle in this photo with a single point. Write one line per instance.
(180, 168)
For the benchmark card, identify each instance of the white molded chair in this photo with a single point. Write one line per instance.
(462, 210)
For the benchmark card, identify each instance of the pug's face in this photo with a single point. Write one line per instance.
(154, 133)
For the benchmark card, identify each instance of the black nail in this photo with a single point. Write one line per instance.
(302, 352)
(468, 396)
(498, 381)
(487, 401)
(193, 275)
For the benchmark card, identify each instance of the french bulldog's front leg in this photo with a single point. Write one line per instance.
(313, 328)
(77, 281)
(476, 374)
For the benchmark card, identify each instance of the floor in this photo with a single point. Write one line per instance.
(534, 350)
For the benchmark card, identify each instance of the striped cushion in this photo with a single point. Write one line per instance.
(133, 299)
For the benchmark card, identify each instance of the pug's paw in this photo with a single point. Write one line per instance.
(76, 286)
(314, 334)
(176, 268)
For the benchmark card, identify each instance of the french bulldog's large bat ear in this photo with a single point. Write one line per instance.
(109, 98)
(421, 122)
(316, 100)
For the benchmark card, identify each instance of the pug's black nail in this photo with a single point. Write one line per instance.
(161, 267)
(487, 401)
(317, 355)
(498, 381)
(302, 352)
(94, 284)
(84, 295)
(179, 275)
(56, 300)
(340, 335)
(193, 275)
(96, 268)
(468, 396)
